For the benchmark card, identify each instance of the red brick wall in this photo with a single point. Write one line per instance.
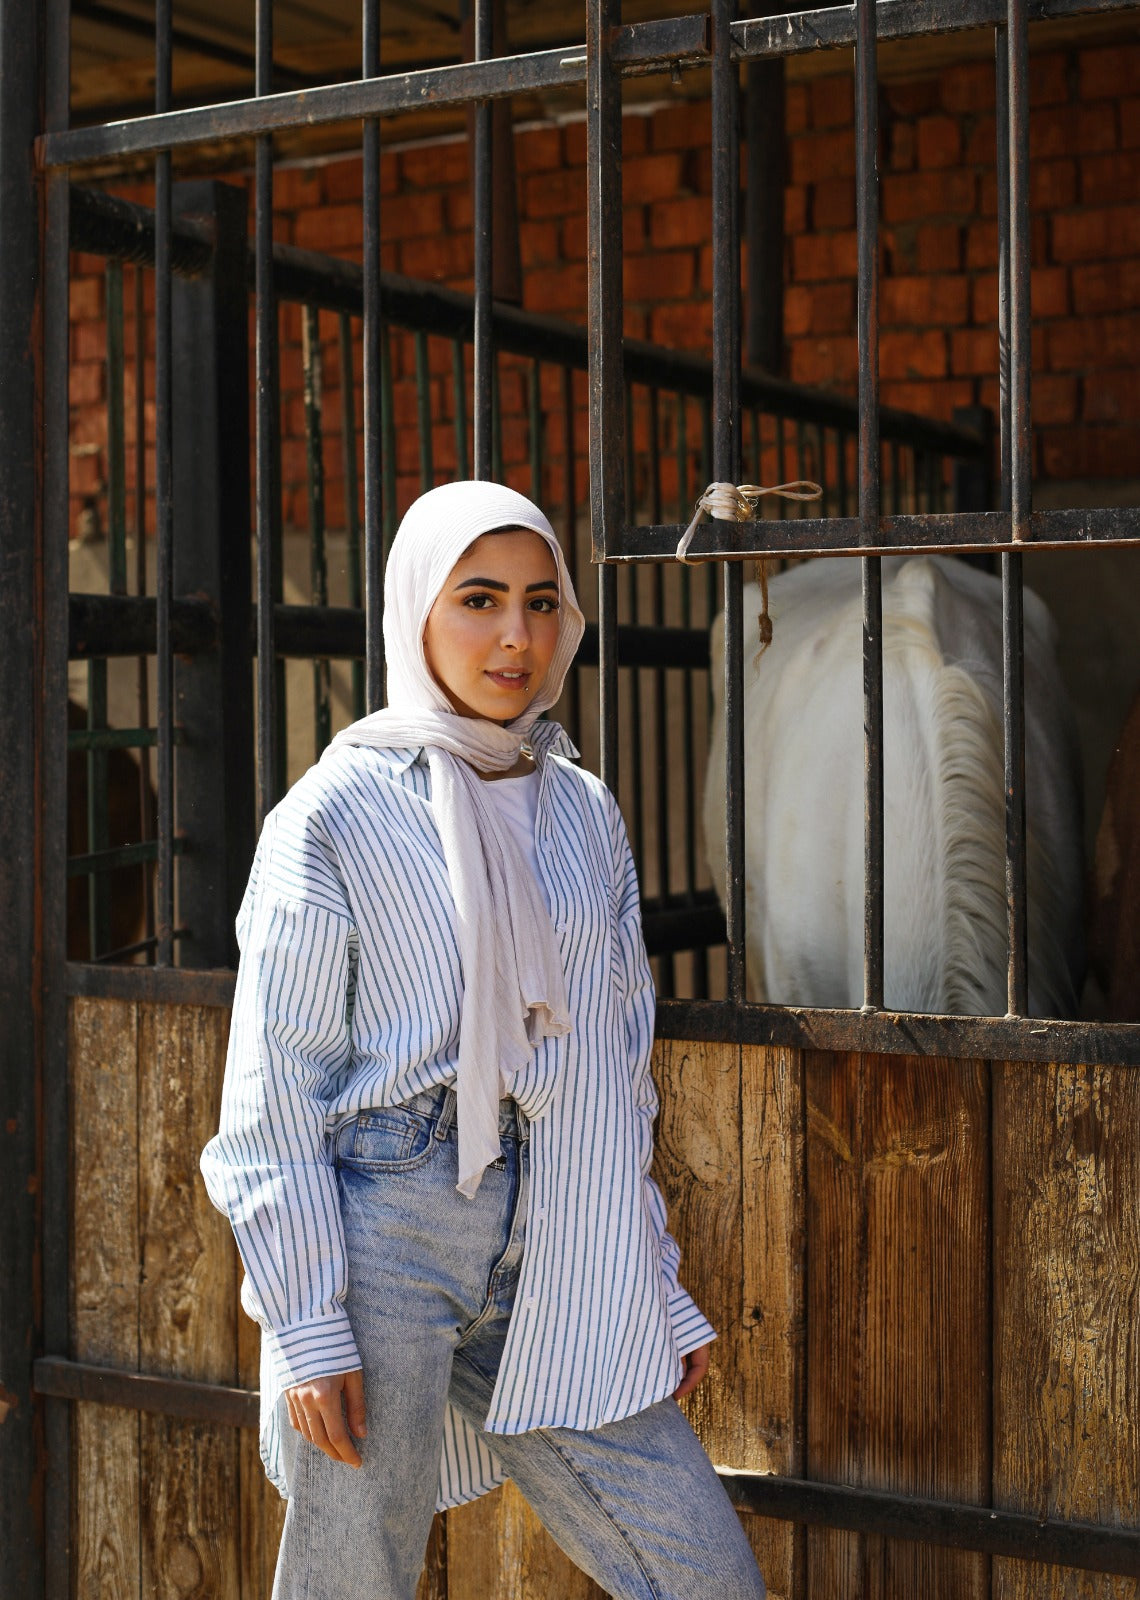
(939, 285)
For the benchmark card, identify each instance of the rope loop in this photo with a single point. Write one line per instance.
(736, 502)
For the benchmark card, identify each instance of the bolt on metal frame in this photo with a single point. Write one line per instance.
(612, 51)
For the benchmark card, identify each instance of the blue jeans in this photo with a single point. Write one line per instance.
(432, 1279)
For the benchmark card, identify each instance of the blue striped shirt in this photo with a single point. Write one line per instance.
(348, 998)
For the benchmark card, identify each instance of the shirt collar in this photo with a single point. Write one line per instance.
(546, 739)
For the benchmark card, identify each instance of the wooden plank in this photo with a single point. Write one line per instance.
(261, 1509)
(433, 1581)
(188, 1308)
(103, 1069)
(1067, 1305)
(497, 1546)
(898, 1308)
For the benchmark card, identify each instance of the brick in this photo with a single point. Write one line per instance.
(1109, 178)
(666, 275)
(574, 141)
(575, 245)
(697, 171)
(913, 355)
(444, 256)
(1107, 73)
(833, 204)
(967, 87)
(910, 97)
(822, 155)
(686, 325)
(460, 208)
(88, 342)
(833, 101)
(902, 146)
(560, 289)
(1112, 396)
(439, 164)
(674, 223)
(85, 383)
(973, 351)
(1049, 291)
(1052, 185)
(1048, 77)
(939, 142)
(984, 298)
(85, 299)
(648, 178)
(1072, 129)
(555, 194)
(927, 194)
(538, 243)
(830, 363)
(1106, 286)
(936, 398)
(798, 302)
(795, 210)
(938, 247)
(681, 127)
(705, 267)
(797, 108)
(925, 301)
(1054, 399)
(633, 232)
(982, 245)
(332, 228)
(1090, 452)
(297, 188)
(832, 308)
(1093, 235)
(1091, 344)
(980, 140)
(538, 150)
(344, 180)
(1130, 122)
(634, 133)
(817, 256)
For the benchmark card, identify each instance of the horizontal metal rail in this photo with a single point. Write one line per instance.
(988, 1530)
(639, 48)
(1028, 1039)
(105, 225)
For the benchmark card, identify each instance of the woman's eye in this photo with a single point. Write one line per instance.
(544, 604)
(478, 602)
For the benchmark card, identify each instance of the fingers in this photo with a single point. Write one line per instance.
(696, 1366)
(354, 1404)
(316, 1411)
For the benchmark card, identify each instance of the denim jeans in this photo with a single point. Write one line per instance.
(432, 1279)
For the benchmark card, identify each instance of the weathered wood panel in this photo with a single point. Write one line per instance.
(103, 1052)
(1067, 1248)
(497, 1546)
(898, 1373)
(261, 1508)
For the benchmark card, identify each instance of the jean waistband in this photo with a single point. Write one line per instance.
(440, 1103)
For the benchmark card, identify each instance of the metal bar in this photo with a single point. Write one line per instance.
(482, 228)
(570, 535)
(98, 904)
(351, 493)
(637, 49)
(139, 1391)
(1084, 1546)
(375, 389)
(313, 384)
(124, 625)
(867, 224)
(423, 410)
(115, 739)
(142, 664)
(267, 508)
(534, 428)
(607, 421)
(122, 855)
(459, 396)
(1013, 728)
(726, 455)
(163, 497)
(1028, 1039)
(162, 985)
(116, 434)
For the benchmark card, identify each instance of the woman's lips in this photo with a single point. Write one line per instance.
(510, 679)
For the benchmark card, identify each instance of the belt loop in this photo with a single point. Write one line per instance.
(446, 1115)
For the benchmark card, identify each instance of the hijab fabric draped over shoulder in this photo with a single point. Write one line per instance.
(514, 992)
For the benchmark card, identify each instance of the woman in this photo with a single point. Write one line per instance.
(437, 1115)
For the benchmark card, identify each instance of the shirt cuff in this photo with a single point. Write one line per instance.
(690, 1327)
(307, 1350)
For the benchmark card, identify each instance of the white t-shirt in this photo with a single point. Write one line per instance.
(516, 800)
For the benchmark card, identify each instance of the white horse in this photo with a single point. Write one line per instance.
(944, 828)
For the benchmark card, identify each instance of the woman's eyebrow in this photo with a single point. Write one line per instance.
(504, 588)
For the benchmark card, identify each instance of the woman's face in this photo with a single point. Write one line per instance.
(492, 631)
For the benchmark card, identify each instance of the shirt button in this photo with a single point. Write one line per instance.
(540, 1215)
(560, 927)
(530, 1302)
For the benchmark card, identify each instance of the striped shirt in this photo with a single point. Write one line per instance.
(348, 998)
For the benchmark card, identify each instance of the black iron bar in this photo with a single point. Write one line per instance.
(163, 500)
(98, 904)
(483, 402)
(570, 536)
(867, 223)
(666, 982)
(312, 376)
(606, 369)
(1012, 99)
(638, 49)
(375, 389)
(726, 456)
(534, 428)
(177, 985)
(122, 855)
(142, 664)
(351, 492)
(268, 440)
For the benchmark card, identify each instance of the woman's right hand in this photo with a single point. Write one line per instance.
(328, 1412)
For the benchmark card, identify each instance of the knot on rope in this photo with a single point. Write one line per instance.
(736, 502)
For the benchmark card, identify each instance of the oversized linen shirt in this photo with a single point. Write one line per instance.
(348, 998)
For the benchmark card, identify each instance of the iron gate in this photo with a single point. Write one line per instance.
(33, 506)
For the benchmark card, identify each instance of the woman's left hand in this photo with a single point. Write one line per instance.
(696, 1365)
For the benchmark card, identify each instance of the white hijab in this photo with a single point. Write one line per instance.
(514, 990)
